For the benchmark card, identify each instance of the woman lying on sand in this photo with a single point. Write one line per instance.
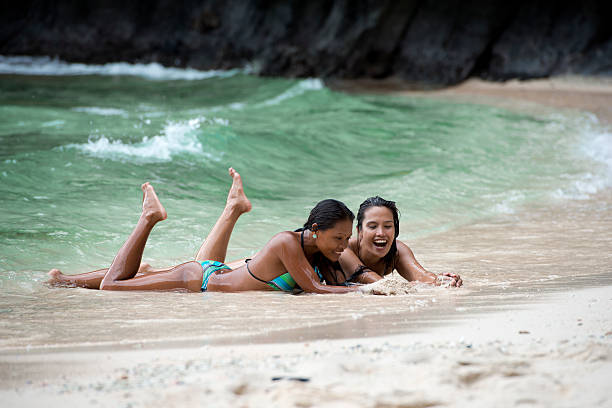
(376, 252)
(290, 260)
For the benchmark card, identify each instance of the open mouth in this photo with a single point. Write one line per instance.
(380, 243)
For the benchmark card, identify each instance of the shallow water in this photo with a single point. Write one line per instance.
(75, 147)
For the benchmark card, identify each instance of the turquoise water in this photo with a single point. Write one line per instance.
(77, 141)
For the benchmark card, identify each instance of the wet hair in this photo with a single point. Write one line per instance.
(327, 213)
(377, 201)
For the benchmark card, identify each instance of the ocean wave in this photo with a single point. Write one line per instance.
(599, 148)
(305, 85)
(177, 138)
(54, 123)
(46, 66)
(582, 189)
(596, 146)
(94, 110)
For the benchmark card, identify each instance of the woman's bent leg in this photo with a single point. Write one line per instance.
(214, 247)
(126, 272)
(126, 263)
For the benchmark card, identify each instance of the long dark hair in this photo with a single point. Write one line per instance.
(327, 213)
(381, 202)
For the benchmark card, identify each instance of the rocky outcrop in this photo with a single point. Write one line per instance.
(426, 41)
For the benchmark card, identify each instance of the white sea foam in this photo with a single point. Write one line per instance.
(584, 161)
(312, 84)
(176, 138)
(94, 110)
(596, 146)
(236, 106)
(18, 65)
(599, 148)
(54, 123)
(508, 204)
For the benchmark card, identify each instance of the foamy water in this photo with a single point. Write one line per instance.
(46, 66)
(177, 138)
(94, 110)
(297, 90)
(595, 145)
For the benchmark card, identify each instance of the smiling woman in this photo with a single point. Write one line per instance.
(376, 252)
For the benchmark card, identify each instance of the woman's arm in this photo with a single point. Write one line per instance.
(410, 269)
(292, 256)
(355, 269)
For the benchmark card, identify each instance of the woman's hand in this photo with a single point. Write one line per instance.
(448, 279)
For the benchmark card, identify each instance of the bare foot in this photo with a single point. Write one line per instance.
(152, 208)
(145, 268)
(236, 199)
(54, 276)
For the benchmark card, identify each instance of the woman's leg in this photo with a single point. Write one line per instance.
(185, 276)
(214, 247)
(92, 280)
(121, 273)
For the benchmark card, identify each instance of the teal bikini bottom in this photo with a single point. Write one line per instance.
(208, 268)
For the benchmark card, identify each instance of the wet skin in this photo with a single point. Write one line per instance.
(283, 253)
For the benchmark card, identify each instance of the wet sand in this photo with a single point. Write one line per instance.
(554, 351)
(531, 327)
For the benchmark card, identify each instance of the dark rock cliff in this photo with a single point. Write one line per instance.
(428, 41)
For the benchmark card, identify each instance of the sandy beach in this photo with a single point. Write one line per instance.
(531, 327)
(583, 94)
(553, 351)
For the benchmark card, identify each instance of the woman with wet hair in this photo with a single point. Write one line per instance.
(376, 251)
(290, 261)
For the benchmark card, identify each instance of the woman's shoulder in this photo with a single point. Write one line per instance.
(284, 242)
(402, 247)
(403, 253)
(284, 237)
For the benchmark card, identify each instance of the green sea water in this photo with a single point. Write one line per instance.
(75, 147)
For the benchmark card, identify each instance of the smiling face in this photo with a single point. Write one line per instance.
(377, 231)
(332, 241)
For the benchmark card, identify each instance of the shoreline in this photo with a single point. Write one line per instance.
(577, 93)
(592, 94)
